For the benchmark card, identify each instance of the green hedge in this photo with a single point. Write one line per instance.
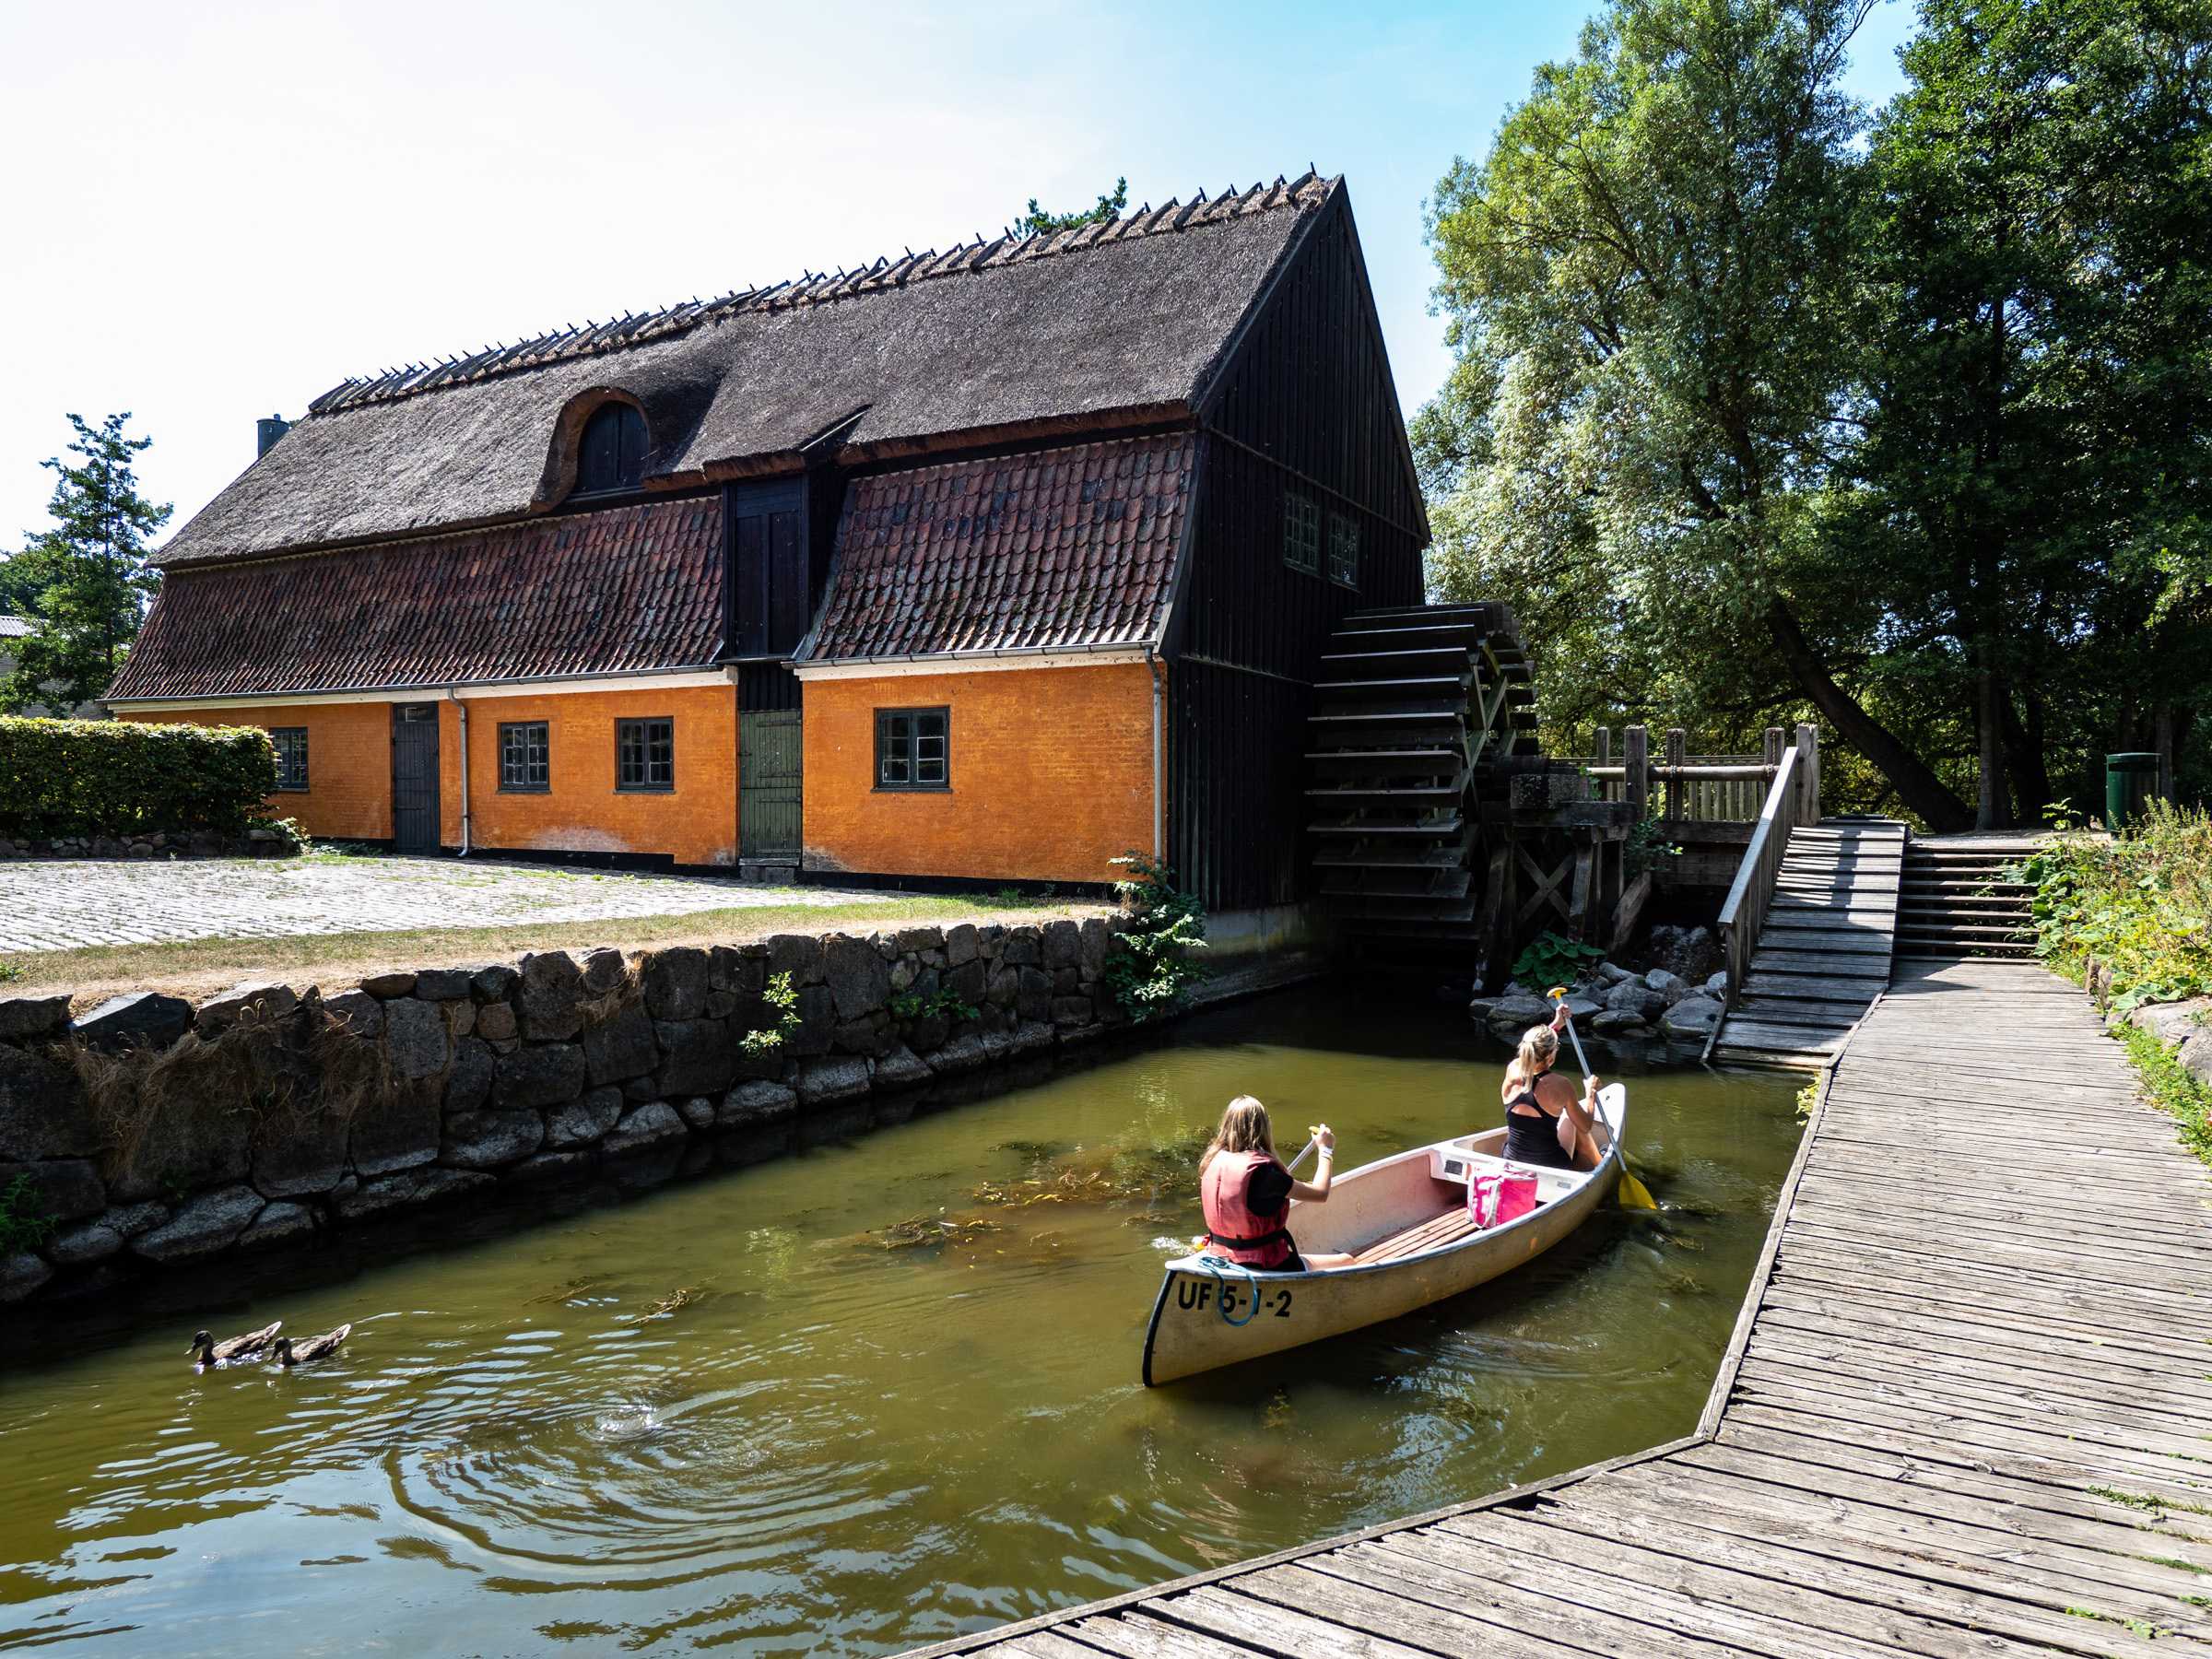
(113, 777)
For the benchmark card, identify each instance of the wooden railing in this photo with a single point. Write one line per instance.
(1793, 798)
(1712, 789)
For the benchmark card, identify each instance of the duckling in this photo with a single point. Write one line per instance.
(291, 1353)
(206, 1351)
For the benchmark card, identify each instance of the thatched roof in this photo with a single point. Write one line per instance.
(1071, 549)
(1124, 319)
(624, 591)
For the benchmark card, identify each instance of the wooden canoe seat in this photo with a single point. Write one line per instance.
(1452, 1224)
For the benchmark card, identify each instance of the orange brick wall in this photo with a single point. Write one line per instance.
(583, 812)
(348, 796)
(1051, 768)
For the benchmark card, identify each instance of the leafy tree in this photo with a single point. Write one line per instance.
(18, 590)
(2036, 388)
(1038, 222)
(88, 571)
(1651, 292)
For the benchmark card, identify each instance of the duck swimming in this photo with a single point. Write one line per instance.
(206, 1351)
(291, 1353)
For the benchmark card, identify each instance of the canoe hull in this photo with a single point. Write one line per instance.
(1270, 1313)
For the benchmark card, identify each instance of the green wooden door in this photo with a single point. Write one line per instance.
(768, 789)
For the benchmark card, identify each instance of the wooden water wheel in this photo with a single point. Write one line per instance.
(1416, 711)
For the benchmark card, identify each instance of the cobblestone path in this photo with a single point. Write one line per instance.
(60, 904)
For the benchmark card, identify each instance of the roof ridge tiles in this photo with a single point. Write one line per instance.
(637, 328)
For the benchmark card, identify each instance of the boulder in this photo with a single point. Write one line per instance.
(443, 984)
(1613, 1020)
(1634, 996)
(131, 1220)
(415, 1039)
(358, 1012)
(842, 1078)
(676, 982)
(470, 1084)
(697, 1113)
(959, 944)
(2196, 1055)
(859, 979)
(2172, 1023)
(900, 1068)
(1024, 946)
(406, 1189)
(1479, 1008)
(298, 1154)
(1582, 1007)
(1662, 981)
(620, 1046)
(549, 1166)
(817, 1024)
(490, 1140)
(1063, 944)
(43, 1110)
(82, 1246)
(697, 1056)
(1690, 953)
(912, 941)
(1098, 942)
(204, 1226)
(32, 1018)
(799, 955)
(654, 1124)
(400, 1131)
(1516, 1014)
(460, 1017)
(148, 1020)
(200, 1134)
(491, 983)
(1029, 1039)
(962, 1054)
(605, 968)
(276, 1224)
(1692, 1017)
(388, 986)
(971, 981)
(539, 1073)
(66, 1189)
(496, 1023)
(1069, 1012)
(741, 972)
(1718, 984)
(22, 1274)
(1033, 998)
(546, 996)
(1612, 973)
(751, 1104)
(580, 1122)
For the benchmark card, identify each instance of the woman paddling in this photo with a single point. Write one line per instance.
(1246, 1192)
(1535, 1098)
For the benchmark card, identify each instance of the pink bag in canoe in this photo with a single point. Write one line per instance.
(1493, 1200)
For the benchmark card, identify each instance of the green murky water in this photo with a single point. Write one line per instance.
(844, 1441)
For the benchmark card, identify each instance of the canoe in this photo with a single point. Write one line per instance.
(1404, 1220)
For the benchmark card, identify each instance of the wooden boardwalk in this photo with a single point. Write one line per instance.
(1823, 954)
(1966, 1410)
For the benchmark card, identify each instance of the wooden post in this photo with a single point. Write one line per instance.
(1637, 758)
(1677, 791)
(1809, 741)
(1603, 755)
(1769, 754)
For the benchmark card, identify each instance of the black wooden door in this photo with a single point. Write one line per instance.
(769, 601)
(415, 777)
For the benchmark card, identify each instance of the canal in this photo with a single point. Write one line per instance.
(869, 1395)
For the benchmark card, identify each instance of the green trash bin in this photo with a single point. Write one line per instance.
(2130, 782)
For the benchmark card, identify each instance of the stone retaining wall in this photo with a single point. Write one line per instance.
(174, 843)
(149, 1132)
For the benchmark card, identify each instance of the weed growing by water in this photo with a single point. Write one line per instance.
(9, 973)
(2172, 1087)
(781, 996)
(25, 1222)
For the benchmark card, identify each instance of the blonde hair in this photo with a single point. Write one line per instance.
(1244, 1128)
(1539, 1048)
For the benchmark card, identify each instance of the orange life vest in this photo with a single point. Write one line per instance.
(1230, 1225)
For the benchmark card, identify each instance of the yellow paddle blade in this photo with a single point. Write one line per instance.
(1633, 1194)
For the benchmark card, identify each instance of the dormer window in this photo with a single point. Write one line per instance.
(612, 453)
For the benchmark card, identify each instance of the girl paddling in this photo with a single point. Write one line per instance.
(1246, 1192)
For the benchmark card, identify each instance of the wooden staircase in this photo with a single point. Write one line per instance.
(1411, 708)
(1955, 903)
(1824, 952)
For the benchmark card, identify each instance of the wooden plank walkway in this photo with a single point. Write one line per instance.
(1824, 953)
(1965, 1411)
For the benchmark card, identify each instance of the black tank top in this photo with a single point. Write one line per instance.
(1533, 1140)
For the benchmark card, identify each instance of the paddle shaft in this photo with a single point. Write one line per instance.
(1292, 1165)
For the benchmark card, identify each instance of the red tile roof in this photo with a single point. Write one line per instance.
(1064, 548)
(618, 591)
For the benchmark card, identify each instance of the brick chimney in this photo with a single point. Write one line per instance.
(267, 431)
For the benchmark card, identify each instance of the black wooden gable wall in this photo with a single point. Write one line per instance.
(1305, 404)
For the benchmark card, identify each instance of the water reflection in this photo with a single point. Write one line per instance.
(866, 1396)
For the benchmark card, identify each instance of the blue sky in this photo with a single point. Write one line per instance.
(218, 212)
